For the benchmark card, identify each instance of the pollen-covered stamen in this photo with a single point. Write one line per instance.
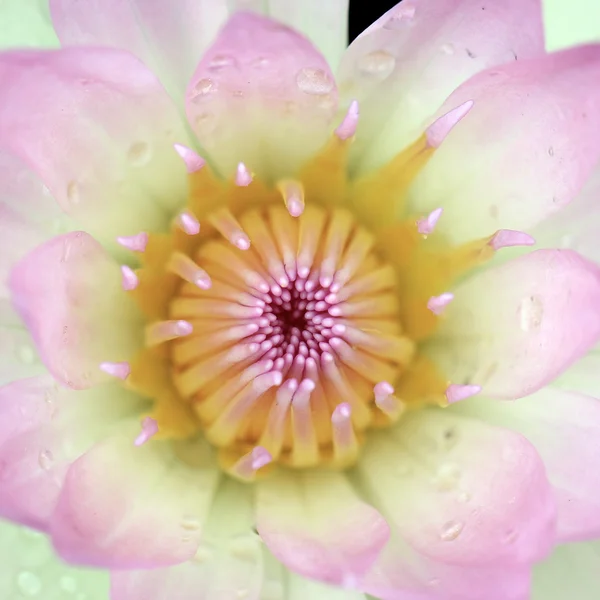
(129, 280)
(149, 430)
(347, 127)
(427, 225)
(293, 196)
(437, 304)
(182, 265)
(227, 225)
(188, 222)
(270, 356)
(456, 392)
(135, 243)
(121, 370)
(164, 331)
(243, 177)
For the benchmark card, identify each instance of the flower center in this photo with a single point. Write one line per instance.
(292, 336)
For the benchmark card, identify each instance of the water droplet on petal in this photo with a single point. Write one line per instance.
(139, 154)
(203, 88)
(244, 548)
(448, 49)
(45, 459)
(203, 554)
(314, 81)
(451, 530)
(510, 536)
(463, 497)
(531, 312)
(73, 192)
(205, 122)
(447, 477)
(190, 523)
(68, 584)
(29, 583)
(379, 64)
(221, 62)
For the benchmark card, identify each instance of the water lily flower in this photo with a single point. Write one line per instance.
(272, 332)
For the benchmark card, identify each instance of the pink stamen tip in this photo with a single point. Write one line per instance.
(188, 222)
(293, 196)
(121, 370)
(260, 457)
(243, 177)
(382, 390)
(203, 281)
(295, 207)
(437, 132)
(241, 241)
(149, 429)
(182, 328)
(129, 279)
(348, 126)
(193, 162)
(427, 225)
(341, 413)
(436, 304)
(135, 243)
(456, 393)
(504, 238)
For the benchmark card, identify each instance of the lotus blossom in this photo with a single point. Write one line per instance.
(273, 332)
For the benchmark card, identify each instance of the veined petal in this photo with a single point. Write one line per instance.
(68, 292)
(124, 506)
(461, 492)
(318, 527)
(524, 150)
(43, 428)
(262, 94)
(403, 67)
(228, 564)
(101, 138)
(324, 23)
(572, 571)
(514, 328)
(564, 427)
(168, 38)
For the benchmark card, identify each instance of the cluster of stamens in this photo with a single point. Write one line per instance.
(289, 340)
(284, 332)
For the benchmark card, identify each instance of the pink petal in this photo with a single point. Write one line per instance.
(402, 574)
(169, 41)
(230, 565)
(523, 152)
(408, 62)
(28, 214)
(124, 506)
(462, 492)
(318, 527)
(565, 429)
(576, 226)
(68, 292)
(262, 94)
(44, 427)
(101, 139)
(325, 23)
(514, 328)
